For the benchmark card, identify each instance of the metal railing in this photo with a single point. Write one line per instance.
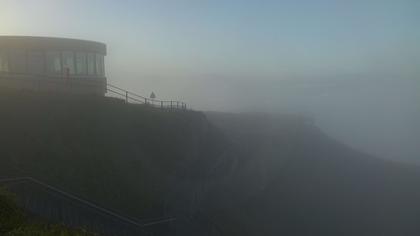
(41, 82)
(59, 206)
(130, 97)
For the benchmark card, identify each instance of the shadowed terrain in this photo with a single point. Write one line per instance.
(239, 174)
(291, 179)
(133, 159)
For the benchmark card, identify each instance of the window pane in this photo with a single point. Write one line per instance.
(53, 62)
(68, 62)
(81, 63)
(91, 63)
(36, 62)
(4, 62)
(99, 64)
(18, 61)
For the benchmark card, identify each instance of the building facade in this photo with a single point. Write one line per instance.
(52, 64)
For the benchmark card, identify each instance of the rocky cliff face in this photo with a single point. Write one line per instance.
(139, 161)
(291, 179)
(219, 174)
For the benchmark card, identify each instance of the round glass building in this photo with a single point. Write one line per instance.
(52, 64)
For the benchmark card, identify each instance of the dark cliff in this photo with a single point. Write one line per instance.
(129, 158)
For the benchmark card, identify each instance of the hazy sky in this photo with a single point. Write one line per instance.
(355, 65)
(202, 51)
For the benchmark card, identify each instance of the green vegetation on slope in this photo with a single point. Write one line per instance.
(14, 222)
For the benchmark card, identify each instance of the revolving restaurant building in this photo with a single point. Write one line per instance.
(52, 64)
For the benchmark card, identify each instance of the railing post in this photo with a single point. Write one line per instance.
(137, 98)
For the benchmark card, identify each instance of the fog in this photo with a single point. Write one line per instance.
(353, 67)
(377, 115)
(301, 117)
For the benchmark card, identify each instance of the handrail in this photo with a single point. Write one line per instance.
(128, 96)
(89, 204)
(144, 100)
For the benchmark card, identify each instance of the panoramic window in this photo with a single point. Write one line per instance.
(18, 61)
(68, 62)
(100, 64)
(4, 62)
(81, 67)
(91, 63)
(36, 62)
(53, 62)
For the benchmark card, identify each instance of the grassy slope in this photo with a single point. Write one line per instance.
(14, 222)
(120, 156)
